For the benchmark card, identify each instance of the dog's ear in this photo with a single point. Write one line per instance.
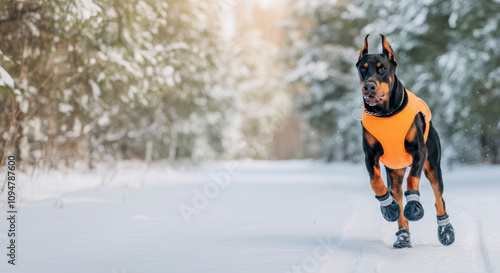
(387, 50)
(364, 49)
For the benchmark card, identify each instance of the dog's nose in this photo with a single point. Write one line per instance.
(369, 88)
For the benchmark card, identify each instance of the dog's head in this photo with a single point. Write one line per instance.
(377, 73)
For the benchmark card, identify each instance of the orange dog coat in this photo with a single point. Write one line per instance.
(391, 131)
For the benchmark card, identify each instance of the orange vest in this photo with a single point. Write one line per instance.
(391, 131)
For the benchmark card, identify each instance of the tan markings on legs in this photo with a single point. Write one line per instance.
(377, 182)
(397, 177)
(412, 183)
(412, 132)
(431, 175)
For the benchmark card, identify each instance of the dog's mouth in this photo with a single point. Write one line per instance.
(372, 100)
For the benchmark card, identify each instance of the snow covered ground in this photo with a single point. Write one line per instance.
(244, 216)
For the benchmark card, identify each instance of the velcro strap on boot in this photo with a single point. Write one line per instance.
(443, 220)
(385, 200)
(412, 195)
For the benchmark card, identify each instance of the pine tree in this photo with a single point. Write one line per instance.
(450, 48)
(133, 79)
(322, 54)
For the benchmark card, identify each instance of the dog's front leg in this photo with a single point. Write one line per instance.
(415, 145)
(373, 150)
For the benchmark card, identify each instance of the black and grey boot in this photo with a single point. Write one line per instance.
(446, 234)
(389, 207)
(403, 238)
(413, 209)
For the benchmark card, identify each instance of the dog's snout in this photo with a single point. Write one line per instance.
(369, 88)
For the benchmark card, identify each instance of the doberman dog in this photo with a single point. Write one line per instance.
(398, 132)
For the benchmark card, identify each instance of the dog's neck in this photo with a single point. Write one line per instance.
(397, 101)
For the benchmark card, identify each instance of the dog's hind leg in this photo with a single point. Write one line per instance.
(432, 170)
(395, 185)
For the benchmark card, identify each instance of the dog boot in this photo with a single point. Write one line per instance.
(389, 207)
(446, 234)
(403, 238)
(413, 209)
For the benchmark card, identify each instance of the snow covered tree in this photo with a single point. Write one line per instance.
(168, 54)
(471, 80)
(261, 102)
(108, 79)
(448, 55)
(323, 49)
(10, 110)
(446, 52)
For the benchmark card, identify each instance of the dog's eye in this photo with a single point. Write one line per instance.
(381, 69)
(362, 69)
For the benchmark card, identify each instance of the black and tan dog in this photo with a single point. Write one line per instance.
(397, 131)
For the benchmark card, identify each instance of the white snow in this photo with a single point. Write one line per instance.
(244, 216)
(85, 9)
(5, 78)
(65, 108)
(96, 91)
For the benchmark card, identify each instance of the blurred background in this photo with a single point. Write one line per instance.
(90, 81)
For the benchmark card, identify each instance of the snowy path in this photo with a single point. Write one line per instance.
(263, 217)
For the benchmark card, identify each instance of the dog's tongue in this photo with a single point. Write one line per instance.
(372, 101)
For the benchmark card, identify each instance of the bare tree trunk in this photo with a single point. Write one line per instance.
(172, 145)
(24, 148)
(149, 151)
(90, 149)
(14, 114)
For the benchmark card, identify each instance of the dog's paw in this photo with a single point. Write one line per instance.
(446, 233)
(389, 207)
(403, 239)
(413, 209)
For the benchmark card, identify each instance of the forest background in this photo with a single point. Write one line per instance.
(90, 81)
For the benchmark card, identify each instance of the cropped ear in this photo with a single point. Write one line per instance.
(387, 50)
(364, 49)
